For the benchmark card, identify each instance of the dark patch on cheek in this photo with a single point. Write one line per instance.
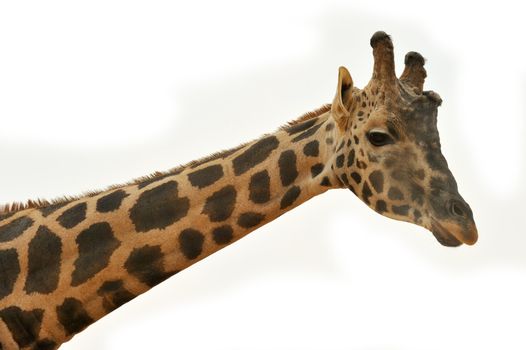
(95, 244)
(361, 164)
(417, 214)
(316, 169)
(339, 160)
(399, 175)
(294, 129)
(50, 209)
(395, 194)
(250, 219)
(23, 325)
(329, 141)
(259, 187)
(377, 181)
(312, 149)
(345, 179)
(356, 140)
(417, 193)
(111, 202)
(223, 234)
(15, 228)
(146, 264)
(325, 182)
(9, 271)
(381, 206)
(356, 177)
(372, 158)
(350, 158)
(341, 146)
(290, 197)
(191, 243)
(287, 167)
(114, 295)
(401, 209)
(220, 205)
(72, 316)
(254, 155)
(159, 207)
(205, 177)
(73, 216)
(44, 258)
(366, 192)
(308, 133)
(329, 127)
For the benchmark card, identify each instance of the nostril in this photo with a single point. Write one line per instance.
(456, 208)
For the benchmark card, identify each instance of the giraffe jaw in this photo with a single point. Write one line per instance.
(452, 235)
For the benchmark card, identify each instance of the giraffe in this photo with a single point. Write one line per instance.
(67, 263)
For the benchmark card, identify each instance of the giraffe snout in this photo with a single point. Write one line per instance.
(458, 226)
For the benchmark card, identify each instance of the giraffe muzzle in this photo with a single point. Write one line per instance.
(452, 234)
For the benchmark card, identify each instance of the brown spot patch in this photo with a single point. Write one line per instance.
(146, 264)
(290, 197)
(191, 243)
(250, 219)
(220, 205)
(254, 155)
(377, 181)
(114, 294)
(95, 244)
(15, 228)
(23, 325)
(9, 271)
(207, 176)
(73, 216)
(259, 187)
(223, 234)
(44, 259)
(72, 316)
(159, 207)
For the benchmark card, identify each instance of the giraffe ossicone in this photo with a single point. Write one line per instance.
(66, 264)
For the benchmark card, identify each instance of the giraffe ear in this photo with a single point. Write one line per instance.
(343, 99)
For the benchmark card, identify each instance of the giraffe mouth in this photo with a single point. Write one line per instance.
(443, 236)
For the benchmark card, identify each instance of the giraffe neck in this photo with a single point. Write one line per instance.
(71, 264)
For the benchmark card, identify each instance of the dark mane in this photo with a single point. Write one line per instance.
(9, 209)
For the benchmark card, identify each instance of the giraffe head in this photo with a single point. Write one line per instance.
(390, 156)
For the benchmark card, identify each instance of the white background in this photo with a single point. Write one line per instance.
(96, 93)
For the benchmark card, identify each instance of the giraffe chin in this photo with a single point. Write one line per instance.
(446, 237)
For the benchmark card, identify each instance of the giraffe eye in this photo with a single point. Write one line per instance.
(379, 138)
